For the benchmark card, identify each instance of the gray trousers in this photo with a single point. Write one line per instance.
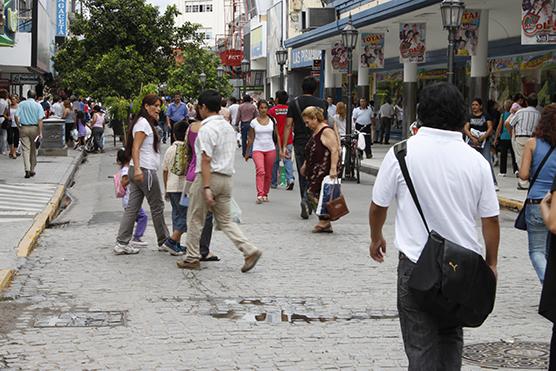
(149, 188)
(426, 345)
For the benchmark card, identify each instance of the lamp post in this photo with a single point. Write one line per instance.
(452, 12)
(349, 39)
(281, 58)
(220, 71)
(203, 79)
(245, 67)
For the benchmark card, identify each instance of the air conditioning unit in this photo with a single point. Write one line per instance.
(316, 17)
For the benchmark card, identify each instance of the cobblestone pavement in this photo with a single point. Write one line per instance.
(312, 302)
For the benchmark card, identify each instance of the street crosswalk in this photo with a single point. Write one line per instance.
(22, 201)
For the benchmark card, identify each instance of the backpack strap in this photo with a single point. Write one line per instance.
(400, 149)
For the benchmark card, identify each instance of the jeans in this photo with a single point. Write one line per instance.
(164, 130)
(149, 188)
(97, 138)
(264, 161)
(366, 129)
(537, 235)
(427, 346)
(179, 212)
(504, 146)
(299, 151)
(288, 165)
(485, 151)
(245, 125)
(384, 129)
(140, 224)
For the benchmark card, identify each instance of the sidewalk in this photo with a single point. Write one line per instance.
(509, 196)
(27, 205)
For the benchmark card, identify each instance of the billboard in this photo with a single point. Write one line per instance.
(274, 38)
(537, 22)
(372, 54)
(8, 22)
(413, 42)
(467, 37)
(257, 50)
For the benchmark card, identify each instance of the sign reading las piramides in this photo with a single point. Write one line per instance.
(537, 22)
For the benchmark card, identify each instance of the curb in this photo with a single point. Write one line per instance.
(29, 240)
(505, 203)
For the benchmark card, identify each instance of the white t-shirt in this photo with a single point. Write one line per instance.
(174, 183)
(3, 106)
(58, 109)
(340, 123)
(264, 141)
(453, 184)
(149, 159)
(12, 116)
(362, 116)
(233, 112)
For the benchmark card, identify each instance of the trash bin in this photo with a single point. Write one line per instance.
(53, 138)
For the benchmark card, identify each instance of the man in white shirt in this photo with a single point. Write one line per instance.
(386, 114)
(58, 107)
(454, 186)
(331, 106)
(212, 189)
(362, 117)
(233, 108)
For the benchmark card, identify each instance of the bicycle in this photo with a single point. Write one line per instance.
(355, 166)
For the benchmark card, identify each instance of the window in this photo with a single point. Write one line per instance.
(188, 8)
(195, 9)
(198, 8)
(208, 8)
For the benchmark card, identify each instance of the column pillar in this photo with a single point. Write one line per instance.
(479, 63)
(409, 96)
(329, 77)
(362, 79)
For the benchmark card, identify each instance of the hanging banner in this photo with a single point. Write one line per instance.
(537, 22)
(412, 42)
(372, 46)
(339, 57)
(467, 37)
(61, 18)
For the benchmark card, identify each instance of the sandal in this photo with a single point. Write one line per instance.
(259, 200)
(265, 198)
(320, 229)
(210, 258)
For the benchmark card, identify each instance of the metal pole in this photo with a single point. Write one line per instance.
(349, 112)
(451, 47)
(244, 87)
(281, 77)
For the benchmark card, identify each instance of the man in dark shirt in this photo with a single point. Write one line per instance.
(301, 133)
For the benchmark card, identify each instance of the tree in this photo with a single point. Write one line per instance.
(119, 45)
(184, 78)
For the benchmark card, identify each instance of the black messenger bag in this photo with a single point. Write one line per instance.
(450, 282)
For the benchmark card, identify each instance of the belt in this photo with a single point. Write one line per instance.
(523, 136)
(28, 125)
(533, 201)
(357, 123)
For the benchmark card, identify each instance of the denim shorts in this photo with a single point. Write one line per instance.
(179, 213)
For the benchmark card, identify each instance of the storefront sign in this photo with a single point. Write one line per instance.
(231, 57)
(372, 55)
(412, 42)
(339, 57)
(467, 37)
(316, 65)
(302, 58)
(537, 22)
(257, 43)
(61, 18)
(24, 79)
(436, 74)
(521, 63)
(8, 27)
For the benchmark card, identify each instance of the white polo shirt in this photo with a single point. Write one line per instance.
(454, 186)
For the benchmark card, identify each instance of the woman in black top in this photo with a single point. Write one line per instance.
(479, 130)
(547, 306)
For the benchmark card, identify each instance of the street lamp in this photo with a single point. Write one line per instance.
(245, 67)
(282, 58)
(220, 71)
(349, 39)
(203, 79)
(452, 12)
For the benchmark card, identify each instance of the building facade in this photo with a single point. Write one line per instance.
(210, 14)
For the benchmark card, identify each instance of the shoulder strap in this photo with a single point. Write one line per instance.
(537, 173)
(400, 149)
(296, 100)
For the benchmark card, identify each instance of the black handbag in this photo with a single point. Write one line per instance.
(520, 222)
(450, 282)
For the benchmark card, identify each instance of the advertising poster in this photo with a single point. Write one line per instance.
(537, 22)
(372, 55)
(274, 38)
(339, 57)
(8, 22)
(467, 37)
(257, 42)
(412, 42)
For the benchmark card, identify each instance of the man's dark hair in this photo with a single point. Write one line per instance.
(309, 85)
(441, 106)
(532, 100)
(518, 96)
(246, 98)
(224, 102)
(211, 99)
(31, 94)
(179, 130)
(3, 94)
(282, 96)
(233, 100)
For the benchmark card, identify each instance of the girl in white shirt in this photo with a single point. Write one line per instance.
(262, 137)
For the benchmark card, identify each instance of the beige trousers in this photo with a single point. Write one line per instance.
(221, 187)
(518, 144)
(27, 136)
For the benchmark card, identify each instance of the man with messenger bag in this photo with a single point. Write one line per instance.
(446, 279)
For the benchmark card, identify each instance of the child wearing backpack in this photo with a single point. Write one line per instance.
(121, 180)
(173, 175)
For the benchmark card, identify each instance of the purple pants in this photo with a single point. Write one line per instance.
(141, 221)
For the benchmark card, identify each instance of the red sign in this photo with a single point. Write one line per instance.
(232, 57)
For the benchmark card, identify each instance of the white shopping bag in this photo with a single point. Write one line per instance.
(361, 142)
(328, 186)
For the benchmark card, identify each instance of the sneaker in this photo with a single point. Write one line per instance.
(184, 264)
(138, 243)
(496, 188)
(274, 186)
(517, 173)
(290, 186)
(265, 198)
(502, 175)
(251, 261)
(120, 249)
(304, 210)
(173, 247)
(259, 200)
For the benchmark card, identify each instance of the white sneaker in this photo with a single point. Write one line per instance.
(138, 244)
(517, 173)
(120, 249)
(502, 175)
